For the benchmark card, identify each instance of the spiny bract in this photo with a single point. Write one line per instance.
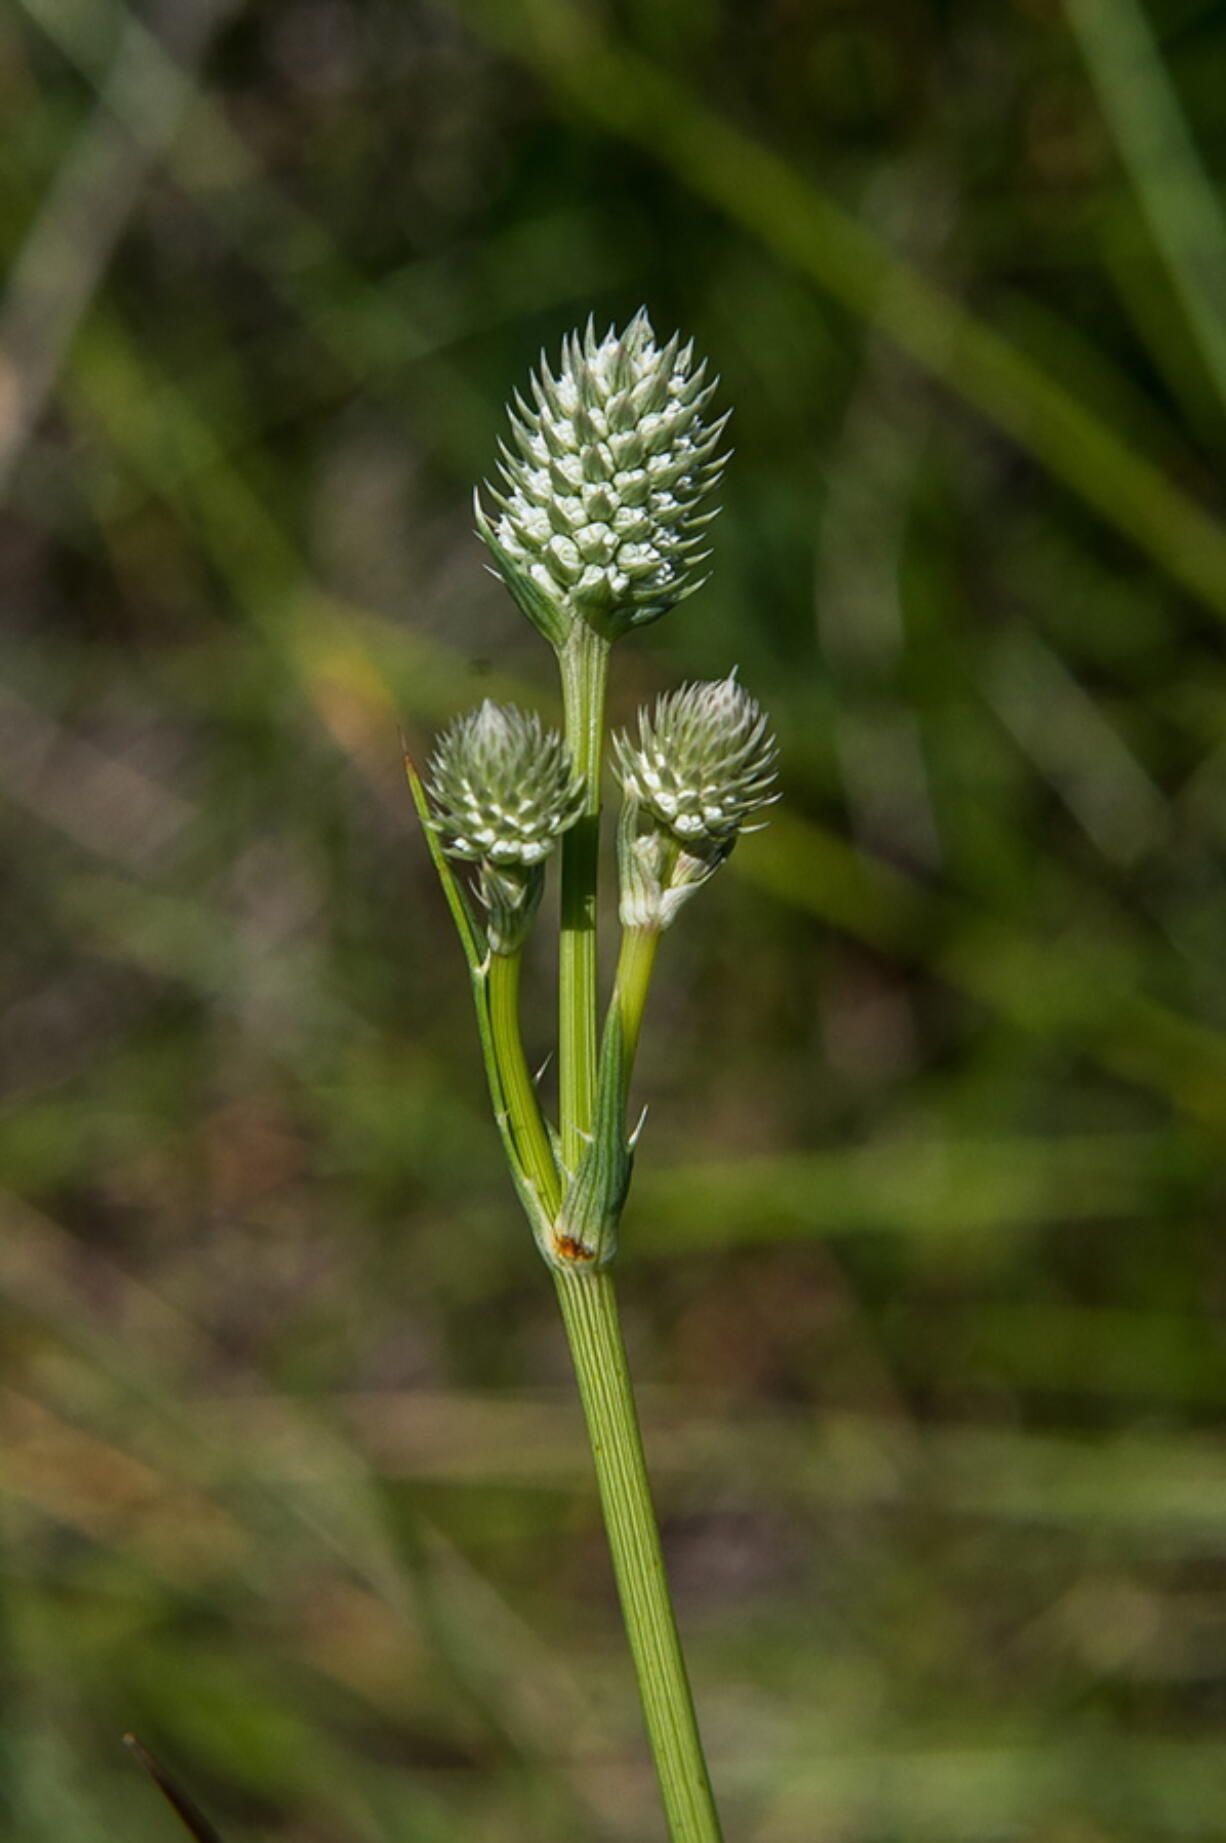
(503, 786)
(601, 517)
(702, 763)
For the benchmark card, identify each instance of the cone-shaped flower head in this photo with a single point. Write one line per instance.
(503, 786)
(603, 514)
(702, 763)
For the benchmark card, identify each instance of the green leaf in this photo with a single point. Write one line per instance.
(476, 952)
(472, 935)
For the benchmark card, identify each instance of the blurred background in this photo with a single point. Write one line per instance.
(923, 1270)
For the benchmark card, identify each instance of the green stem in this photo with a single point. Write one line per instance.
(634, 967)
(589, 1309)
(584, 663)
(587, 1299)
(518, 1089)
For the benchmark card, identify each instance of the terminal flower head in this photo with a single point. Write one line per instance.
(607, 483)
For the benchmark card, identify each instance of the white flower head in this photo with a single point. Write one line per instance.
(602, 517)
(503, 786)
(703, 762)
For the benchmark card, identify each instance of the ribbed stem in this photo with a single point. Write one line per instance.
(634, 967)
(589, 1309)
(584, 662)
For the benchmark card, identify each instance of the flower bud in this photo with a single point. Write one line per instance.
(703, 763)
(701, 766)
(503, 788)
(601, 519)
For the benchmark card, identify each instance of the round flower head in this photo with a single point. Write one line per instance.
(601, 519)
(503, 787)
(702, 763)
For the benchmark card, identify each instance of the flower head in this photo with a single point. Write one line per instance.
(503, 786)
(602, 517)
(702, 763)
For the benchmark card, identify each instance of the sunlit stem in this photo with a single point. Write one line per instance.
(584, 660)
(587, 1299)
(634, 969)
(589, 1308)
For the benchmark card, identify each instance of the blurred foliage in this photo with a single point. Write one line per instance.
(924, 1270)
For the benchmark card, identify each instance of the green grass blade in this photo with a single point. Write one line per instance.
(1173, 190)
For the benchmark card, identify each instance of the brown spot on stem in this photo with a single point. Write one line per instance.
(572, 1250)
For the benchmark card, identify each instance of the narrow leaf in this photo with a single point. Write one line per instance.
(472, 938)
(188, 1812)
